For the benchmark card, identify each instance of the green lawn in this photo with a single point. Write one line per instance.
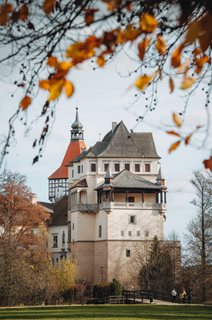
(150, 312)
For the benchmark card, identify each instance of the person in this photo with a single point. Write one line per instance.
(189, 297)
(174, 295)
(184, 295)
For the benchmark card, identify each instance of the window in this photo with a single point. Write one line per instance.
(132, 219)
(138, 233)
(127, 166)
(117, 167)
(122, 233)
(100, 231)
(82, 168)
(131, 199)
(72, 173)
(73, 226)
(137, 167)
(54, 240)
(78, 169)
(147, 167)
(146, 233)
(93, 167)
(128, 253)
(106, 165)
(129, 233)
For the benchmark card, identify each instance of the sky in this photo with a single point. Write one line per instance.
(104, 96)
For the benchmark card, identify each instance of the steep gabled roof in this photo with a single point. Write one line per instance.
(60, 212)
(128, 180)
(121, 143)
(74, 149)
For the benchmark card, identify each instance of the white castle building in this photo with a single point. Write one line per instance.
(117, 201)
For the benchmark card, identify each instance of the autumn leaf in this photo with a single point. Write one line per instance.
(173, 133)
(208, 163)
(68, 88)
(25, 102)
(56, 89)
(65, 65)
(171, 84)
(142, 82)
(100, 61)
(129, 34)
(187, 83)
(188, 138)
(5, 10)
(199, 62)
(52, 62)
(48, 6)
(89, 16)
(148, 23)
(174, 146)
(23, 13)
(193, 32)
(161, 45)
(176, 56)
(44, 84)
(142, 46)
(205, 35)
(177, 120)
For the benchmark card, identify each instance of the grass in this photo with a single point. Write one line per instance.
(119, 312)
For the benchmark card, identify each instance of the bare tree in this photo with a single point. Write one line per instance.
(199, 231)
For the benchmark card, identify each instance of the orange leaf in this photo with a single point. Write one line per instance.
(5, 10)
(25, 102)
(188, 138)
(142, 46)
(173, 133)
(68, 88)
(65, 65)
(174, 146)
(161, 45)
(148, 23)
(23, 13)
(44, 84)
(100, 61)
(171, 85)
(200, 63)
(52, 62)
(208, 163)
(143, 81)
(177, 120)
(193, 32)
(89, 16)
(187, 83)
(48, 6)
(176, 56)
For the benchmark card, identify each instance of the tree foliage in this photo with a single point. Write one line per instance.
(199, 231)
(47, 39)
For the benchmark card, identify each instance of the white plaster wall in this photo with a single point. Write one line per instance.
(59, 231)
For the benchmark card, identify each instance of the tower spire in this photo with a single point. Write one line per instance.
(77, 132)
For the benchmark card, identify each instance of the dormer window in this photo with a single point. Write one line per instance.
(127, 166)
(117, 166)
(137, 167)
(147, 167)
(106, 165)
(93, 167)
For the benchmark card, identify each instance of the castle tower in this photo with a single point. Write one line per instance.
(58, 180)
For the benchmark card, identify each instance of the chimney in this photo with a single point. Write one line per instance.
(114, 124)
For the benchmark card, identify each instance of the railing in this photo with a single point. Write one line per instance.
(117, 205)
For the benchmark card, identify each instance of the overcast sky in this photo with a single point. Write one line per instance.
(103, 96)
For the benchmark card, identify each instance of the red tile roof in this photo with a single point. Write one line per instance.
(74, 149)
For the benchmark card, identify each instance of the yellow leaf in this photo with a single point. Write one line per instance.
(176, 56)
(48, 6)
(142, 46)
(187, 83)
(68, 88)
(174, 146)
(65, 65)
(161, 45)
(177, 120)
(142, 82)
(171, 85)
(52, 62)
(25, 102)
(55, 90)
(148, 23)
(44, 84)
(100, 61)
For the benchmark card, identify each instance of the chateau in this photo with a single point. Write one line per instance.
(116, 200)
